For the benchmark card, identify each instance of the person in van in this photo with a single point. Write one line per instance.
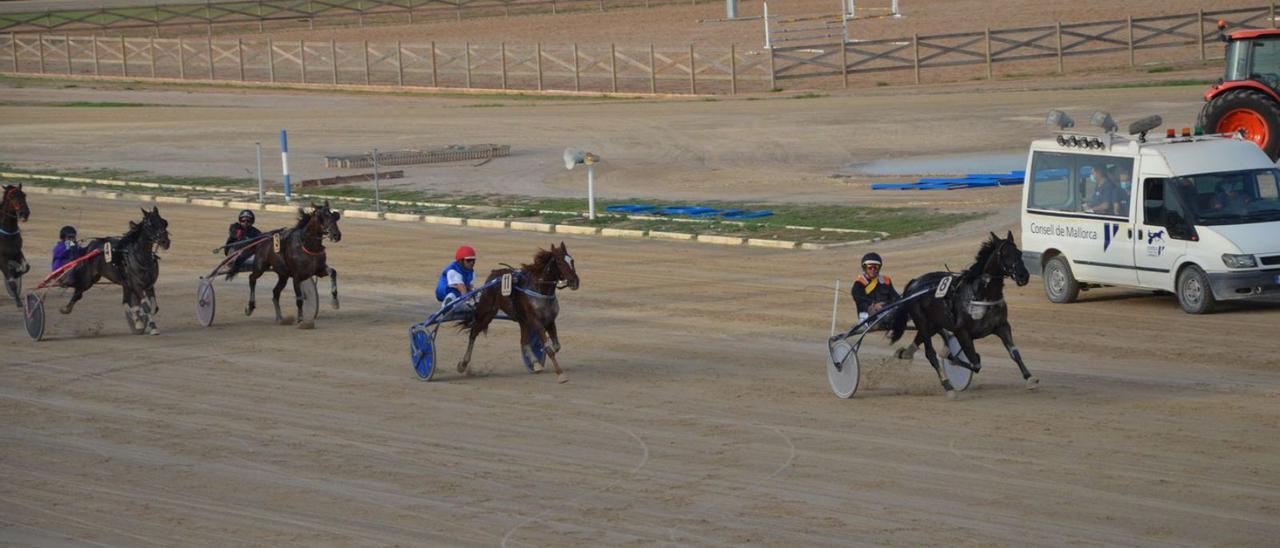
(1106, 192)
(1125, 181)
(1229, 198)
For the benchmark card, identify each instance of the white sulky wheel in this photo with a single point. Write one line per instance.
(33, 316)
(844, 378)
(959, 375)
(205, 304)
(310, 299)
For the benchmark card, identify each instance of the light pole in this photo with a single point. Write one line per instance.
(573, 157)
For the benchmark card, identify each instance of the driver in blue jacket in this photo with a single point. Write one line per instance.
(456, 281)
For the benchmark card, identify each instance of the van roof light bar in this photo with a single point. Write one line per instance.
(1059, 119)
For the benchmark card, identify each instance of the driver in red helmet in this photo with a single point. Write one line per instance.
(456, 280)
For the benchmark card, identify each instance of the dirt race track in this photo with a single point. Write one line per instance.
(698, 412)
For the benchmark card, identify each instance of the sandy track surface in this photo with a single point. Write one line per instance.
(772, 150)
(698, 412)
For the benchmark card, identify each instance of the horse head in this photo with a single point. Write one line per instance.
(153, 227)
(15, 203)
(1008, 259)
(567, 274)
(329, 220)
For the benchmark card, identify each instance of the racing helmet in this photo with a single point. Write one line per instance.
(67, 232)
(464, 252)
(872, 258)
(246, 214)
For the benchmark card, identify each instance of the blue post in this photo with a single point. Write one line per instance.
(284, 161)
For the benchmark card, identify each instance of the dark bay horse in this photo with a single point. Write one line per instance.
(131, 261)
(973, 307)
(532, 304)
(300, 255)
(13, 207)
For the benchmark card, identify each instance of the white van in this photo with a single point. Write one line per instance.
(1198, 216)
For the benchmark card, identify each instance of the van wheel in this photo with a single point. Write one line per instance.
(1059, 285)
(1194, 293)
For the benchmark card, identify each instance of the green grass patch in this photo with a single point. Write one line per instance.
(99, 104)
(808, 95)
(897, 222)
(1158, 70)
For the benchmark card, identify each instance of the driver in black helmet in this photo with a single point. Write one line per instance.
(872, 290)
(238, 235)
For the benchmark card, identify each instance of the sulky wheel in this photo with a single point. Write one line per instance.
(1252, 111)
(842, 369)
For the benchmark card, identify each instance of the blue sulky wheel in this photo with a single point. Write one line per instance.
(422, 351)
(539, 352)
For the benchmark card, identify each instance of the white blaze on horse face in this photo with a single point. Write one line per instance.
(569, 258)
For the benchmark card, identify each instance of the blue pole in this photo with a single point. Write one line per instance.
(284, 161)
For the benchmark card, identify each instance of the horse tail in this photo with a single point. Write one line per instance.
(231, 273)
(898, 317)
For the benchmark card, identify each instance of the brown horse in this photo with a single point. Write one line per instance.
(13, 207)
(299, 256)
(532, 304)
(130, 261)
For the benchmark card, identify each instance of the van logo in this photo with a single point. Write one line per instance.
(1109, 230)
(1155, 243)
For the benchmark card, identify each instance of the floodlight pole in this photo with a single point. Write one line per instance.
(377, 201)
(591, 192)
(261, 190)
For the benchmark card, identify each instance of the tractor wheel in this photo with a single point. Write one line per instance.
(1245, 109)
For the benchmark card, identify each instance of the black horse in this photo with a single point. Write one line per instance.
(532, 304)
(131, 261)
(299, 256)
(13, 207)
(971, 307)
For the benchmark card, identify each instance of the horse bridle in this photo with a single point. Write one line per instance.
(986, 278)
(10, 208)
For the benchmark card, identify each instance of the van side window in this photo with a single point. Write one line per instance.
(1268, 186)
(1051, 182)
(1153, 203)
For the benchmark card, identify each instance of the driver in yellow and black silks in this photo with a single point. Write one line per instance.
(873, 290)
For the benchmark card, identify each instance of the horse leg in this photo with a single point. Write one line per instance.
(133, 306)
(333, 286)
(484, 314)
(555, 339)
(72, 303)
(297, 299)
(11, 284)
(536, 328)
(1005, 332)
(526, 349)
(253, 289)
(966, 346)
(275, 296)
(909, 351)
(155, 309)
(926, 333)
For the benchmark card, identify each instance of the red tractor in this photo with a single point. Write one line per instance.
(1245, 99)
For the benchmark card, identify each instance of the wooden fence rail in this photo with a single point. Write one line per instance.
(296, 13)
(592, 68)
(608, 67)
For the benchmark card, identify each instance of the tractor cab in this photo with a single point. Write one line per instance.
(1245, 100)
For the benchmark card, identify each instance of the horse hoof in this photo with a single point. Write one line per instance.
(248, 311)
(1033, 383)
(153, 331)
(904, 353)
(953, 395)
(462, 367)
(335, 304)
(65, 310)
(307, 325)
(537, 367)
(562, 378)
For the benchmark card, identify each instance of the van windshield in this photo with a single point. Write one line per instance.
(1231, 197)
